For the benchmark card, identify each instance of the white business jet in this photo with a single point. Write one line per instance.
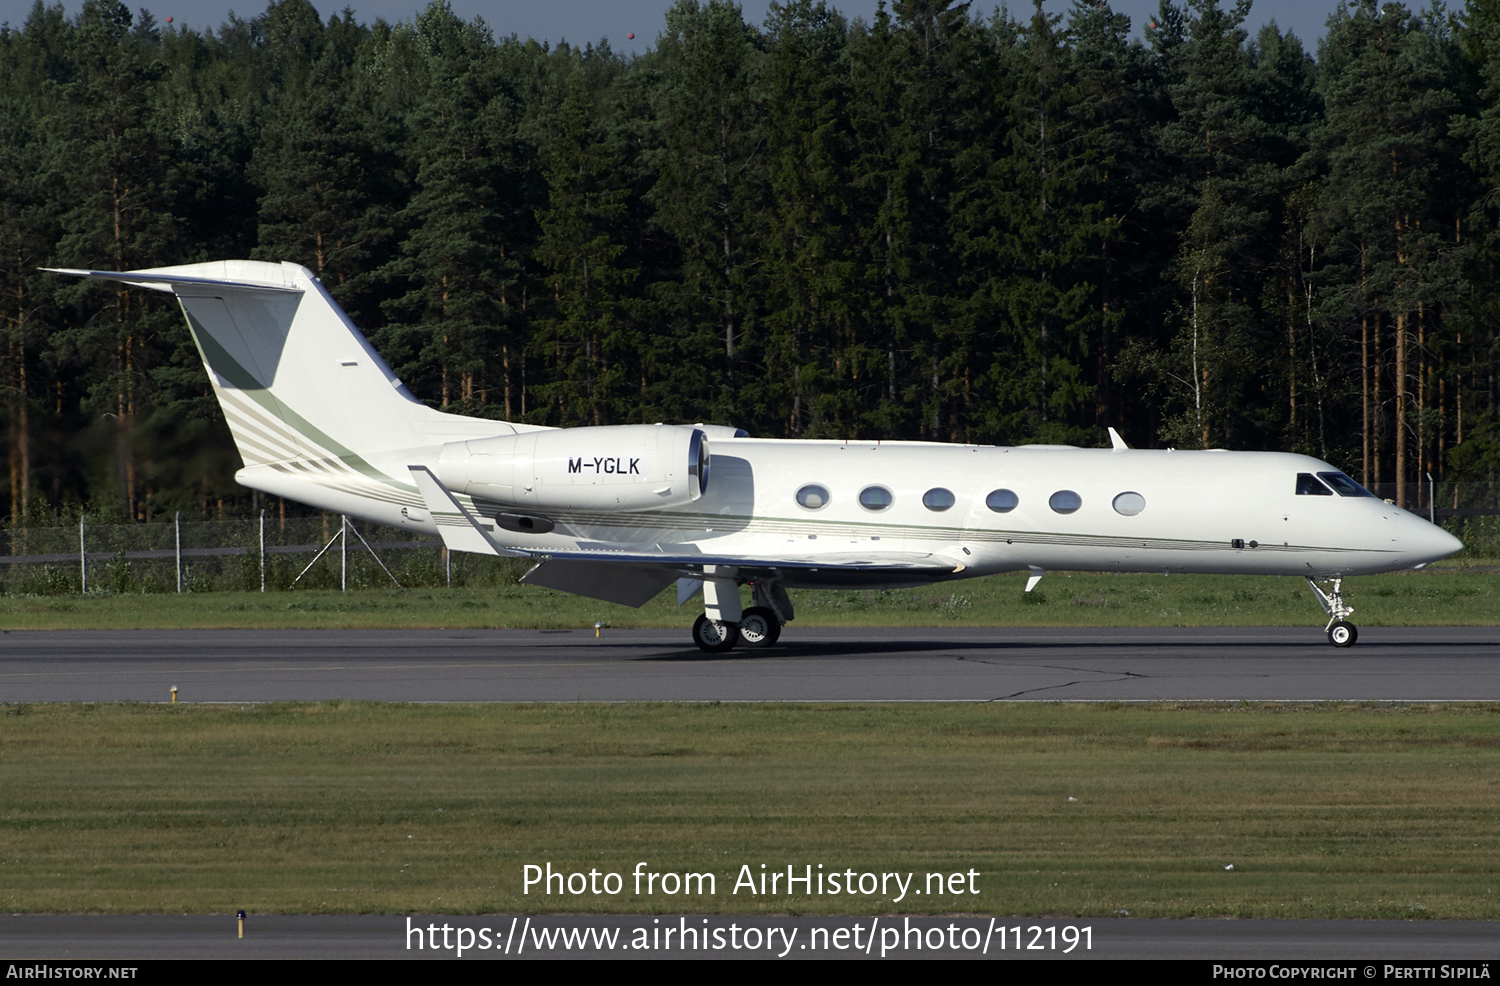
(621, 512)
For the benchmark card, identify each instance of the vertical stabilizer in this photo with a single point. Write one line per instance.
(296, 379)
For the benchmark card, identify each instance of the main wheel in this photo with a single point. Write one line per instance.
(714, 638)
(1342, 634)
(759, 627)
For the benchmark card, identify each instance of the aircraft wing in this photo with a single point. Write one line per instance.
(634, 577)
(693, 563)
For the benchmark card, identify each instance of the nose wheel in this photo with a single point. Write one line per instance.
(1341, 633)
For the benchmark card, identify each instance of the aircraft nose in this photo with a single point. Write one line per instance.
(1435, 543)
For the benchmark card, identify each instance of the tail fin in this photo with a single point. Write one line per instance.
(296, 379)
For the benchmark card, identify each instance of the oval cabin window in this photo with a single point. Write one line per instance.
(875, 498)
(812, 496)
(938, 499)
(1129, 504)
(1002, 501)
(1065, 501)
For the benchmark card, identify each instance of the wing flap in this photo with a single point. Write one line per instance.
(626, 584)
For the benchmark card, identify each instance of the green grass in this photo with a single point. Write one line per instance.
(1323, 811)
(1443, 596)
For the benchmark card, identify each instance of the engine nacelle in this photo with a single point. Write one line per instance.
(614, 467)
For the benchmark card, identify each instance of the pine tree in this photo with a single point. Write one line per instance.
(589, 339)
(326, 159)
(708, 198)
(451, 322)
(1382, 145)
(121, 171)
(1026, 248)
(824, 371)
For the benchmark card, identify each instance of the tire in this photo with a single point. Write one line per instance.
(714, 638)
(1342, 634)
(759, 627)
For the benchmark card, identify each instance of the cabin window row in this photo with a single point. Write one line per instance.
(814, 496)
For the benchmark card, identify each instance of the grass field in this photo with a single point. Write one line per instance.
(1439, 596)
(1321, 811)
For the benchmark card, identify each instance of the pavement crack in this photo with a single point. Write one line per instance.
(1105, 677)
(1056, 667)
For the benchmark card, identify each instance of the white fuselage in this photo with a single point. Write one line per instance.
(1197, 511)
(320, 417)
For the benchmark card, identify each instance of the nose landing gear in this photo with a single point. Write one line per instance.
(1341, 633)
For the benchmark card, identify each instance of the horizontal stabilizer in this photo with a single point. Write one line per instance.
(628, 585)
(459, 528)
(170, 278)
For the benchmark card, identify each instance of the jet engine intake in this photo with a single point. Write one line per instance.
(613, 467)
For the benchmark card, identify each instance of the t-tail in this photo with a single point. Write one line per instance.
(317, 414)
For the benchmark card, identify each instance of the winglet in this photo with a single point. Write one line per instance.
(460, 529)
(1117, 441)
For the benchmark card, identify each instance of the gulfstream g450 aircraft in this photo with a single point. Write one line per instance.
(621, 512)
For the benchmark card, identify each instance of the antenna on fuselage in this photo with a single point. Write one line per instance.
(1117, 441)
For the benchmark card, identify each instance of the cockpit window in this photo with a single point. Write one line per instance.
(1343, 485)
(1308, 485)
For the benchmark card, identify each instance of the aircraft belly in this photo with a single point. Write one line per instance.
(360, 499)
(836, 578)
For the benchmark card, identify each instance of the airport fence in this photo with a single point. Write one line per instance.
(1469, 511)
(1438, 501)
(268, 554)
(271, 554)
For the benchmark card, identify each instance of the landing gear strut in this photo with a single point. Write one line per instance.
(1341, 633)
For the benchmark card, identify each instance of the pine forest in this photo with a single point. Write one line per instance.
(948, 224)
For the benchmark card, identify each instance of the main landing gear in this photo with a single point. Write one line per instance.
(718, 630)
(758, 627)
(1341, 633)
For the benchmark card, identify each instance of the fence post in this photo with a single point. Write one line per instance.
(263, 550)
(177, 523)
(343, 552)
(83, 557)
